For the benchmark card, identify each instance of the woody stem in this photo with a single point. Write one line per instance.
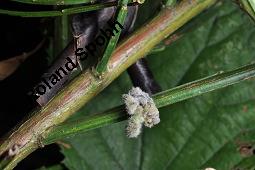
(85, 86)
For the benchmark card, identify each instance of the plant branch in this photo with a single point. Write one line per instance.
(121, 16)
(162, 99)
(54, 2)
(54, 13)
(61, 33)
(246, 6)
(252, 3)
(85, 86)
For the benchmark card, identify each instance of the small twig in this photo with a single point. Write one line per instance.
(55, 2)
(170, 3)
(61, 33)
(252, 2)
(246, 6)
(162, 99)
(121, 16)
(54, 13)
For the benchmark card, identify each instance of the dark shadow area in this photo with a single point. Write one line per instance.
(18, 35)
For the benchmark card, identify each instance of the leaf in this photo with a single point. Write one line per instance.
(10, 65)
(214, 130)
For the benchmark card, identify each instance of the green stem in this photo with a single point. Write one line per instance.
(61, 33)
(108, 117)
(54, 2)
(162, 99)
(246, 6)
(121, 16)
(252, 2)
(85, 86)
(65, 11)
(170, 3)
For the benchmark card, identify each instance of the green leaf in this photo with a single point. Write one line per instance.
(208, 131)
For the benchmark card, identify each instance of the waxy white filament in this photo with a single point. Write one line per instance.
(142, 110)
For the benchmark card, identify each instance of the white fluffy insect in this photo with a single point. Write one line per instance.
(142, 109)
(210, 169)
(134, 126)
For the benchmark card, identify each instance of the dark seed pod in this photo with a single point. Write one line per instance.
(130, 21)
(105, 14)
(140, 73)
(142, 77)
(85, 27)
(68, 52)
